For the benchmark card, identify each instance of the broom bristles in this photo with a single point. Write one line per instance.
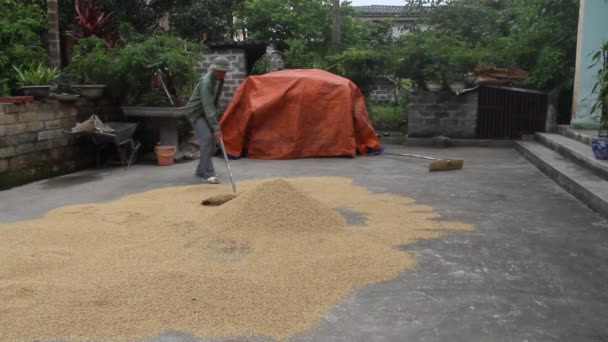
(446, 165)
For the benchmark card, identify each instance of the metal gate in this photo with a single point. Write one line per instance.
(508, 113)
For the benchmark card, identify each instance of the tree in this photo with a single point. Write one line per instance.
(307, 20)
(536, 35)
(143, 16)
(190, 19)
(547, 35)
(22, 26)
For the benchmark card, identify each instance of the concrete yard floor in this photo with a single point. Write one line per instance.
(533, 270)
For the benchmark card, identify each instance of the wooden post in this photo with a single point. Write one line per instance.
(335, 36)
(53, 33)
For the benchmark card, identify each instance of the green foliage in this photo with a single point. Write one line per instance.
(63, 83)
(22, 24)
(535, 35)
(128, 69)
(142, 16)
(306, 20)
(154, 99)
(430, 55)
(364, 34)
(35, 75)
(362, 66)
(546, 35)
(404, 86)
(473, 22)
(364, 52)
(388, 117)
(190, 19)
(301, 56)
(261, 66)
(92, 61)
(174, 57)
(306, 26)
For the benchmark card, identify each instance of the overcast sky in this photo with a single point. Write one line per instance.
(377, 2)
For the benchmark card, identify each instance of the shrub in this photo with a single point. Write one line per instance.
(388, 117)
(21, 26)
(128, 70)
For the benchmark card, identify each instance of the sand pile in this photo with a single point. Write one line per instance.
(271, 262)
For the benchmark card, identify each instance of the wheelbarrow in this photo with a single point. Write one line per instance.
(121, 139)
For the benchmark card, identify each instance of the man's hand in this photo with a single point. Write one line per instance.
(218, 135)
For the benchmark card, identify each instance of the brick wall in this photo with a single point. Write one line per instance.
(233, 78)
(442, 114)
(31, 143)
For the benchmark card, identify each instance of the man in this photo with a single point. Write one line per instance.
(202, 112)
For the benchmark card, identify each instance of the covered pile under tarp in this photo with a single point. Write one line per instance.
(298, 114)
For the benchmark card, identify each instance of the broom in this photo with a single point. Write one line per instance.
(436, 164)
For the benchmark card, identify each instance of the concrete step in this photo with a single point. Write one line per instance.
(583, 136)
(584, 184)
(576, 151)
(393, 138)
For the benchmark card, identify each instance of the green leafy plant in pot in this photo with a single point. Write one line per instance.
(434, 74)
(161, 65)
(63, 86)
(36, 80)
(93, 61)
(456, 81)
(461, 61)
(599, 143)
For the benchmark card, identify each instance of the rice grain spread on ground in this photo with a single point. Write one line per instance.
(271, 262)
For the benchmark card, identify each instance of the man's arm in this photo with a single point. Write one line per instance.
(207, 97)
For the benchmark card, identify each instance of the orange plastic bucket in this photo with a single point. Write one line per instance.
(165, 154)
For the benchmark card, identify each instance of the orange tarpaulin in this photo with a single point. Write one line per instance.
(298, 114)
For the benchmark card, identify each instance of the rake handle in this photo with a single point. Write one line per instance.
(227, 164)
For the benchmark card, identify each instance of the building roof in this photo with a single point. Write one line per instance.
(380, 10)
(384, 11)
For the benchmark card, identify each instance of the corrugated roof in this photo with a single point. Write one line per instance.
(383, 11)
(380, 10)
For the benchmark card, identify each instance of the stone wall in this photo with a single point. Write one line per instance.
(382, 92)
(442, 114)
(234, 78)
(32, 146)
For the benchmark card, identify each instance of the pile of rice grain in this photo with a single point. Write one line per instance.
(270, 262)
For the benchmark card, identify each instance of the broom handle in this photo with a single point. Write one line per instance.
(410, 155)
(227, 165)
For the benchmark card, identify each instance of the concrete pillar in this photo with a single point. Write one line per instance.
(53, 33)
